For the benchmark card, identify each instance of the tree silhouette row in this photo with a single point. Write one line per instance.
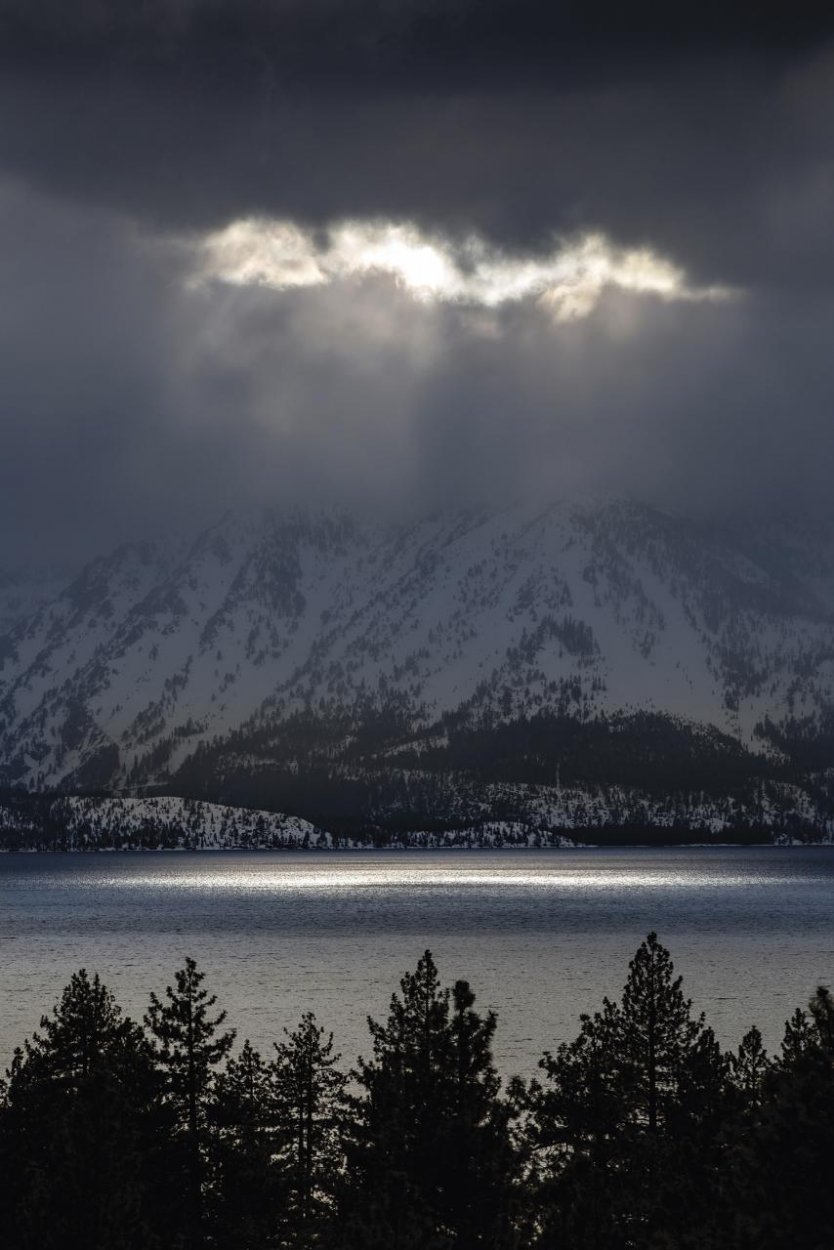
(640, 1133)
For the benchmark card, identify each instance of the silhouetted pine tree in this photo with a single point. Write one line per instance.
(577, 1122)
(781, 1195)
(608, 1125)
(798, 1037)
(748, 1068)
(689, 1174)
(429, 1163)
(247, 1198)
(478, 1147)
(81, 1133)
(189, 1045)
(307, 1092)
(657, 1034)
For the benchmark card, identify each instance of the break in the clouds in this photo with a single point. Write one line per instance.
(567, 281)
(402, 254)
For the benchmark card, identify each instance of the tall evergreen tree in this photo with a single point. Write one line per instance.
(781, 1161)
(798, 1037)
(85, 1028)
(307, 1091)
(748, 1068)
(690, 1169)
(582, 1110)
(247, 1198)
(189, 1044)
(609, 1122)
(578, 1127)
(81, 1130)
(658, 1033)
(479, 1149)
(429, 1160)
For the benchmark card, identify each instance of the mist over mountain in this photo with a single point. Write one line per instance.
(24, 590)
(369, 674)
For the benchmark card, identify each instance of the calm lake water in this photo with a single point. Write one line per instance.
(541, 935)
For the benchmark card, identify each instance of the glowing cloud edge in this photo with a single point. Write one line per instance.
(567, 282)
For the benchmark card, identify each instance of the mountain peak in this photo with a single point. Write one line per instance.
(158, 650)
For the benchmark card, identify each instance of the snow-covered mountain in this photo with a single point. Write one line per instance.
(160, 654)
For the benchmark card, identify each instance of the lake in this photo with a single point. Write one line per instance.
(541, 935)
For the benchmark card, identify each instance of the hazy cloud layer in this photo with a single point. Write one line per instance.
(397, 255)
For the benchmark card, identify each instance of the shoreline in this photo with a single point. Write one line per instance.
(418, 850)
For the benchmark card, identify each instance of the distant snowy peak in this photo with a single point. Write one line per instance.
(158, 649)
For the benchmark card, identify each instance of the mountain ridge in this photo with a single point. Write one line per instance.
(296, 644)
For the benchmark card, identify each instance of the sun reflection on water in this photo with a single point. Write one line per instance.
(399, 877)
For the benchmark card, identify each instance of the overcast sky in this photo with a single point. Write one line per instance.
(401, 254)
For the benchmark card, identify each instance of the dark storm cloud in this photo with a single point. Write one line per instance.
(132, 402)
(90, 443)
(715, 154)
(390, 37)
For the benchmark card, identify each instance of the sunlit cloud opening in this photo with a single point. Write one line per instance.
(568, 281)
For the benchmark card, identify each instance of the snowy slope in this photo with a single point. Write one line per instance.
(157, 648)
(78, 824)
(545, 817)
